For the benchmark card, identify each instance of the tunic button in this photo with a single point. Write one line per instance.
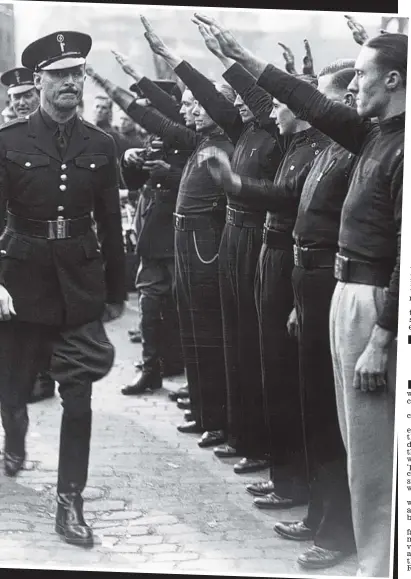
(60, 208)
(158, 185)
(316, 152)
(63, 177)
(175, 152)
(63, 167)
(93, 166)
(63, 187)
(28, 164)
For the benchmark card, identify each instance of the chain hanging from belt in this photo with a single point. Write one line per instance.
(205, 261)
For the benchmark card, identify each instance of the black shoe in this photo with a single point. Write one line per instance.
(147, 381)
(70, 521)
(180, 393)
(210, 438)
(13, 464)
(273, 501)
(319, 558)
(294, 530)
(225, 451)
(249, 465)
(184, 403)
(189, 427)
(260, 489)
(188, 416)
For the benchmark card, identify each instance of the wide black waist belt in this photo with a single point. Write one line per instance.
(57, 229)
(354, 271)
(243, 218)
(196, 222)
(310, 258)
(277, 239)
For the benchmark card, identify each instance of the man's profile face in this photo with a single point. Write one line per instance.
(201, 119)
(62, 89)
(284, 118)
(187, 106)
(25, 103)
(369, 84)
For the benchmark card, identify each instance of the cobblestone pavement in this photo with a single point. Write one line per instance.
(156, 501)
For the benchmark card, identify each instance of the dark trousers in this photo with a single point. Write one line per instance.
(329, 512)
(238, 258)
(199, 309)
(81, 356)
(279, 362)
(160, 332)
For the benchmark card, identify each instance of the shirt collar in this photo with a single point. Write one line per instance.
(393, 123)
(52, 125)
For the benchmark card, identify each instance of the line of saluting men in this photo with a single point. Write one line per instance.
(286, 201)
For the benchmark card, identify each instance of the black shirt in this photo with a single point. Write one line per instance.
(371, 216)
(324, 192)
(282, 196)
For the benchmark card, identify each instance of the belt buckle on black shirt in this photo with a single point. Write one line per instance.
(341, 265)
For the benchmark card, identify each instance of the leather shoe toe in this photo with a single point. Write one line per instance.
(260, 489)
(225, 451)
(189, 427)
(249, 465)
(294, 530)
(183, 403)
(319, 558)
(273, 501)
(210, 438)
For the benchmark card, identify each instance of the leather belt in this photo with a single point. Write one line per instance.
(277, 239)
(55, 229)
(243, 218)
(351, 270)
(308, 258)
(196, 222)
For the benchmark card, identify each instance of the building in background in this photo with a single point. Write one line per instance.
(7, 52)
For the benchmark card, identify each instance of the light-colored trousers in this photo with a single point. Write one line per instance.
(367, 424)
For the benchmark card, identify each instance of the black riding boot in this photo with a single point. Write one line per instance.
(72, 477)
(150, 377)
(15, 423)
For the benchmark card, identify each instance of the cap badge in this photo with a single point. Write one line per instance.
(17, 75)
(60, 40)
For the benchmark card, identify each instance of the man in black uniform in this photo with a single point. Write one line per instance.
(367, 269)
(24, 98)
(57, 282)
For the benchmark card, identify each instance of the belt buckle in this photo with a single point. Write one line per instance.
(341, 267)
(297, 255)
(179, 220)
(230, 216)
(58, 229)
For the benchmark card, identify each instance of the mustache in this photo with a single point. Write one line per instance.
(69, 91)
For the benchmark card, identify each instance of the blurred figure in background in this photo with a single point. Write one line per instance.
(129, 131)
(102, 117)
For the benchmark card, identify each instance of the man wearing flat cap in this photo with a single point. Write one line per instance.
(58, 279)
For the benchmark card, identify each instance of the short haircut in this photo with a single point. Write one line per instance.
(226, 90)
(342, 78)
(337, 65)
(392, 52)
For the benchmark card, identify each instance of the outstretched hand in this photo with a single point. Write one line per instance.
(229, 46)
(210, 40)
(308, 61)
(125, 64)
(156, 44)
(289, 59)
(358, 31)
